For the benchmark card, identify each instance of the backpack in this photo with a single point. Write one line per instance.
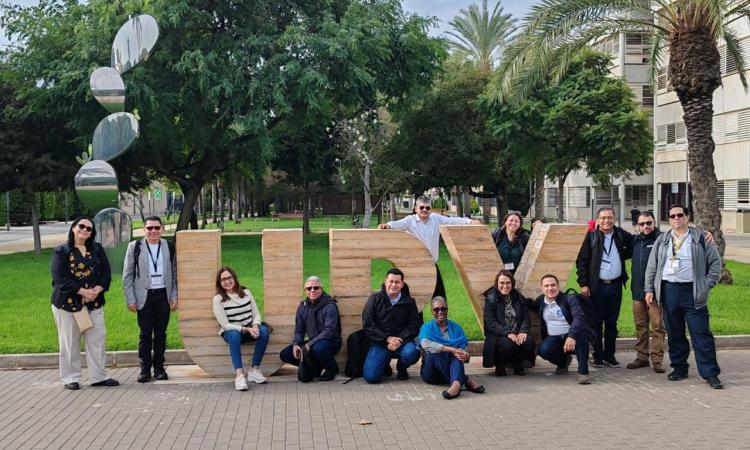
(357, 346)
(137, 254)
(588, 308)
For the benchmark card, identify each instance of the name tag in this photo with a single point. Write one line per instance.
(673, 266)
(510, 266)
(606, 265)
(156, 279)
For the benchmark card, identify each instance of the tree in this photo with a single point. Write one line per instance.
(481, 35)
(688, 29)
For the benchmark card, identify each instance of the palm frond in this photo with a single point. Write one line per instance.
(735, 51)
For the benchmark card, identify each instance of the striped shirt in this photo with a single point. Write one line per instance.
(236, 313)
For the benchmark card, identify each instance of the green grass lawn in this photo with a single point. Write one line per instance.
(27, 326)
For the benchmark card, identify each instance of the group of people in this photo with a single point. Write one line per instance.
(672, 274)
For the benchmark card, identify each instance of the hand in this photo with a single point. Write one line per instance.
(131, 308)
(394, 342)
(570, 345)
(708, 237)
(585, 291)
(475, 222)
(521, 338)
(297, 352)
(649, 298)
(384, 226)
(513, 337)
(462, 355)
(307, 346)
(254, 331)
(173, 305)
(88, 295)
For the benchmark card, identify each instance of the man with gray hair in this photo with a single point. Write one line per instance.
(317, 335)
(425, 226)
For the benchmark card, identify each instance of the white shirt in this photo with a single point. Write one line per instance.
(679, 269)
(428, 233)
(155, 274)
(557, 324)
(611, 266)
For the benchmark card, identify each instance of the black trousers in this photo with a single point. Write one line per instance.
(152, 321)
(507, 351)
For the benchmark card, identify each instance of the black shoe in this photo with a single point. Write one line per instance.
(714, 382)
(676, 376)
(500, 371)
(109, 382)
(611, 361)
(387, 372)
(561, 370)
(161, 375)
(144, 377)
(448, 396)
(598, 363)
(74, 386)
(518, 370)
(402, 375)
(328, 375)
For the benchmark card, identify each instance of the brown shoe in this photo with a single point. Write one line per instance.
(658, 368)
(637, 364)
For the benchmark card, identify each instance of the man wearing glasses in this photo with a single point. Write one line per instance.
(681, 270)
(425, 226)
(149, 279)
(645, 316)
(317, 335)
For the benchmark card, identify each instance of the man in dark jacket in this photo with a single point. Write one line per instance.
(564, 330)
(645, 316)
(601, 275)
(391, 322)
(317, 319)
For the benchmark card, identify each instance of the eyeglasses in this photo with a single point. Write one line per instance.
(644, 224)
(440, 309)
(225, 279)
(312, 288)
(512, 212)
(424, 208)
(154, 228)
(676, 216)
(84, 227)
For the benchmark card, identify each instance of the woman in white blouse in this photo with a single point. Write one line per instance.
(240, 322)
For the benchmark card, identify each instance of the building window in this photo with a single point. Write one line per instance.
(743, 192)
(639, 195)
(671, 133)
(647, 95)
(552, 197)
(580, 197)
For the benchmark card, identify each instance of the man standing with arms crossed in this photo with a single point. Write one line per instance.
(149, 278)
(425, 226)
(682, 269)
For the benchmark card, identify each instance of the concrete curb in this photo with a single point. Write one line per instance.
(177, 357)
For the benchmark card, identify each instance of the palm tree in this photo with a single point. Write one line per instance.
(685, 32)
(481, 35)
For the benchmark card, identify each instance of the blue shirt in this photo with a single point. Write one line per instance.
(611, 266)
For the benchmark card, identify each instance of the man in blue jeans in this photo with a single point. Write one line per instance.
(391, 322)
(317, 319)
(562, 323)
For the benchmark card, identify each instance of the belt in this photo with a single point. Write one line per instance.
(158, 290)
(679, 283)
(609, 281)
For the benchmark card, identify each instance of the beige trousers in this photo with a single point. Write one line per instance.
(69, 337)
(645, 318)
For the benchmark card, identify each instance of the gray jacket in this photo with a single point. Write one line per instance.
(706, 266)
(136, 285)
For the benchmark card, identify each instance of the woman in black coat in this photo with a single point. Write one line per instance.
(507, 327)
(80, 276)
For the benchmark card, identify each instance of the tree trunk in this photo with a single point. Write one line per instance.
(459, 203)
(190, 192)
(560, 198)
(392, 212)
(539, 196)
(368, 203)
(695, 72)
(31, 198)
(214, 201)
(486, 210)
(306, 209)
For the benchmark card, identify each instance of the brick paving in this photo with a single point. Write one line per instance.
(622, 409)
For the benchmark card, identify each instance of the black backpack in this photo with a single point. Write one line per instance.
(137, 254)
(585, 302)
(357, 346)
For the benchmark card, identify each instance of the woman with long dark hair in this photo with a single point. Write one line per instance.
(80, 276)
(240, 322)
(511, 240)
(507, 327)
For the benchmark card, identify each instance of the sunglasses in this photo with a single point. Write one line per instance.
(643, 224)
(424, 208)
(676, 216)
(440, 309)
(225, 279)
(84, 227)
(154, 228)
(312, 288)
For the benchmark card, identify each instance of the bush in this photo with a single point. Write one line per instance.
(439, 203)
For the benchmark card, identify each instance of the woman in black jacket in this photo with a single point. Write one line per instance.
(506, 326)
(80, 276)
(511, 240)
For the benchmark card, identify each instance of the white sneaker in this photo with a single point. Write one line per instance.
(255, 375)
(240, 384)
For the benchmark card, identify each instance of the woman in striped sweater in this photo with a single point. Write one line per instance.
(240, 322)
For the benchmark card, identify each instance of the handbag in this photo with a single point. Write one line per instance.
(83, 319)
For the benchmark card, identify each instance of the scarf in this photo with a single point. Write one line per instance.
(456, 336)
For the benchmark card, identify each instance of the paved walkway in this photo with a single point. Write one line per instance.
(621, 409)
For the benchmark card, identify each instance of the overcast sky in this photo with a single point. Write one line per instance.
(444, 10)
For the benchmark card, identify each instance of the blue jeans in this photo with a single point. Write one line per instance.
(379, 355)
(235, 339)
(322, 355)
(678, 306)
(442, 368)
(551, 349)
(606, 305)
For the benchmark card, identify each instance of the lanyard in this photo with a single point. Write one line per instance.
(607, 251)
(154, 260)
(677, 245)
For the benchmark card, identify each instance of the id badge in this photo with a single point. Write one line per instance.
(156, 279)
(673, 266)
(606, 265)
(510, 266)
